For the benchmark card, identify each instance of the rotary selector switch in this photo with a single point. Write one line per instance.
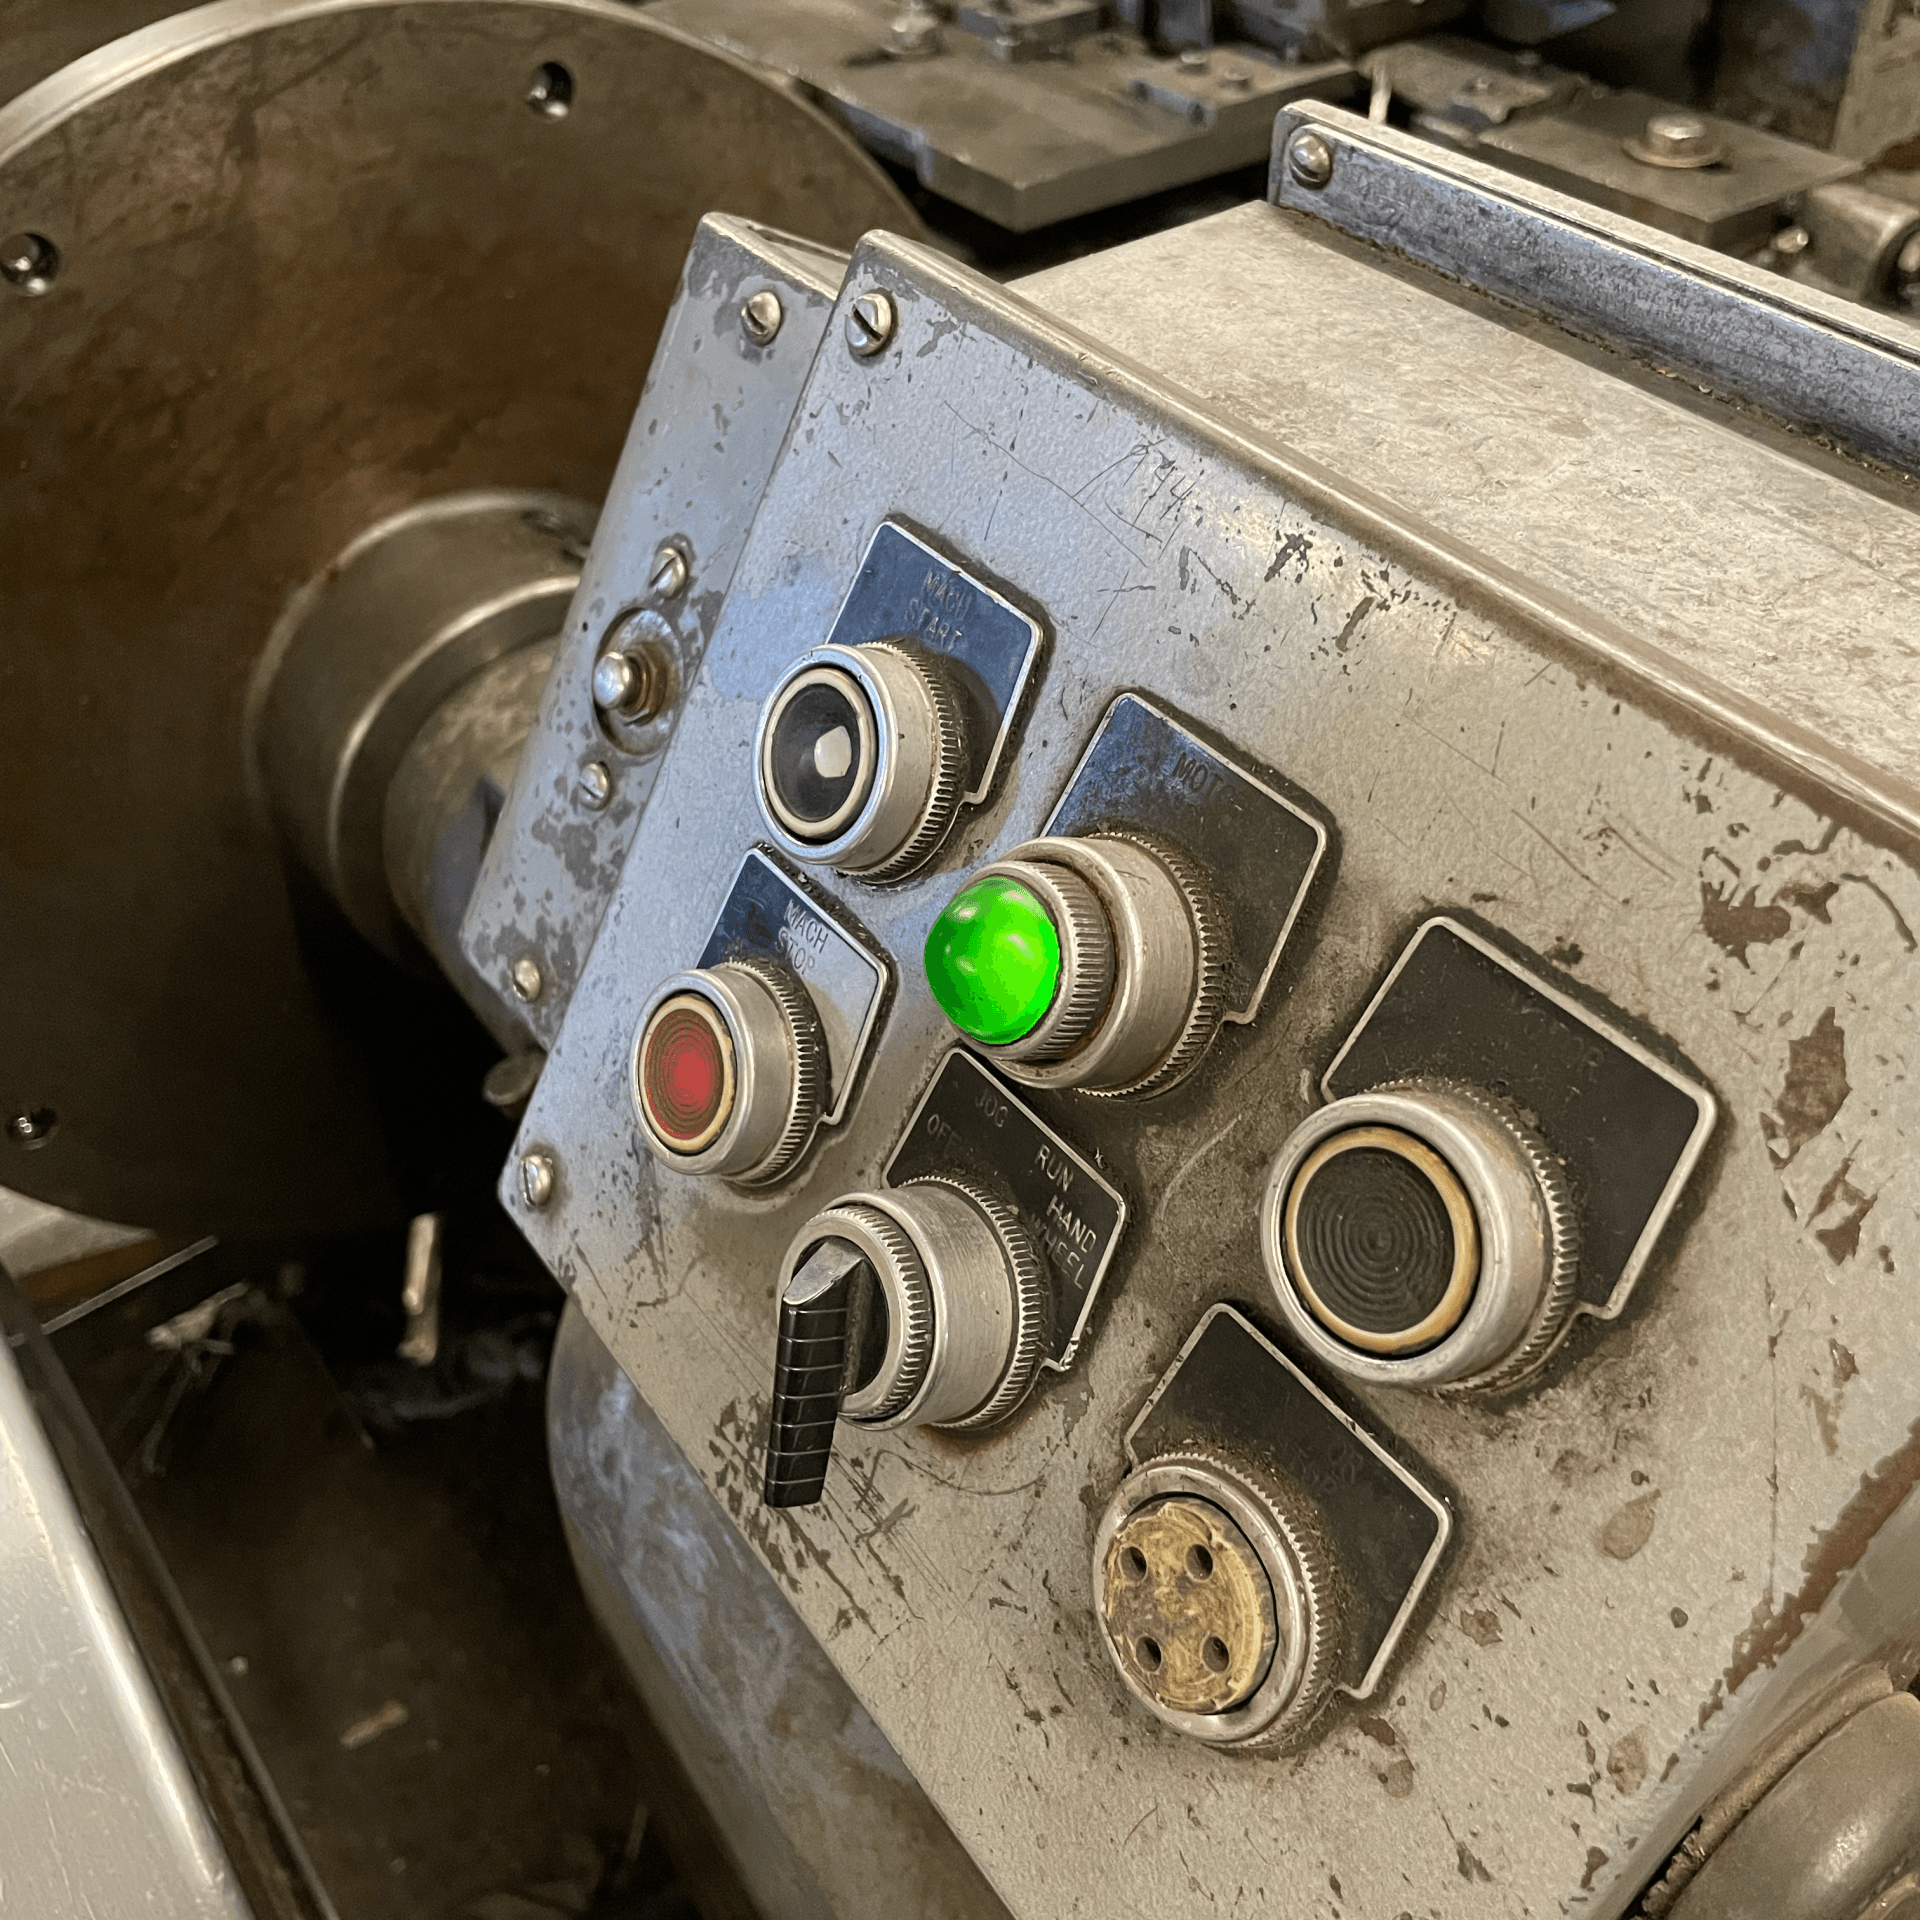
(860, 757)
(1213, 1588)
(1090, 962)
(727, 1071)
(1421, 1234)
(923, 1306)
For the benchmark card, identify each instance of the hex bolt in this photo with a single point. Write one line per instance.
(1309, 158)
(594, 788)
(670, 572)
(538, 1176)
(870, 323)
(527, 979)
(632, 682)
(761, 316)
(1790, 242)
(1682, 140)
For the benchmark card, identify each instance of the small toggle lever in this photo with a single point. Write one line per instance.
(823, 1312)
(926, 1306)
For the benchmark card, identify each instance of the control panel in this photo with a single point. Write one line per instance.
(1131, 1118)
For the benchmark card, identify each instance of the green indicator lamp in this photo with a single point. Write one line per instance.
(993, 960)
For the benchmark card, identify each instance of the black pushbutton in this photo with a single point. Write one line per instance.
(818, 760)
(1375, 1241)
(1382, 1240)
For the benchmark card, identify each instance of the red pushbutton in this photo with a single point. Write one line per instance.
(686, 1072)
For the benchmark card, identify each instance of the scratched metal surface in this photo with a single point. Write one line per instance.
(709, 424)
(99, 1813)
(1645, 1534)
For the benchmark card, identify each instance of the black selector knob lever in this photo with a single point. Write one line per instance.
(822, 1315)
(925, 1305)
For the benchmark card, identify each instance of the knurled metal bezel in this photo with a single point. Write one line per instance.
(909, 1300)
(1291, 1694)
(1210, 971)
(1086, 960)
(1555, 1312)
(948, 773)
(809, 1070)
(1032, 1304)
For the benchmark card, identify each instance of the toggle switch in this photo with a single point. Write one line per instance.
(727, 1071)
(1089, 962)
(923, 1306)
(1421, 1234)
(860, 757)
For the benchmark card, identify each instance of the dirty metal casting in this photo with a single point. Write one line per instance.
(1585, 751)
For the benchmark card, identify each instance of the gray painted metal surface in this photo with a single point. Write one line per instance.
(99, 1813)
(820, 1814)
(712, 417)
(1812, 359)
(1576, 694)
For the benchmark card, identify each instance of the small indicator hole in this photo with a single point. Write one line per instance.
(1135, 1563)
(1150, 1655)
(1214, 1652)
(1199, 1563)
(550, 94)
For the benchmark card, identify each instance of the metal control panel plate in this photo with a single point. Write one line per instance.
(970, 1121)
(1625, 1606)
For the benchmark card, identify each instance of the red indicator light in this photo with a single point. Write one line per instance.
(686, 1073)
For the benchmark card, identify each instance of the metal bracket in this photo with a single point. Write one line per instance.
(1817, 362)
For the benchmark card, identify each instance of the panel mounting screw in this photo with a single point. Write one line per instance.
(526, 977)
(760, 317)
(870, 324)
(1309, 158)
(595, 785)
(33, 1128)
(537, 1174)
(670, 572)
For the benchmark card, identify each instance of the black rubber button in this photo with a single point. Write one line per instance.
(1374, 1240)
(819, 760)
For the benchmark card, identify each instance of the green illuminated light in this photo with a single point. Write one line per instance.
(993, 960)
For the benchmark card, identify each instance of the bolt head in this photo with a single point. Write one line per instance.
(528, 981)
(1790, 242)
(616, 682)
(30, 1129)
(761, 315)
(915, 34)
(1905, 286)
(1309, 158)
(29, 261)
(538, 1176)
(1677, 140)
(670, 572)
(595, 785)
(870, 323)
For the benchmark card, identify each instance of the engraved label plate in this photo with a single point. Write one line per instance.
(771, 916)
(967, 1122)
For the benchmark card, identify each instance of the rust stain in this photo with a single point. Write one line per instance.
(1810, 898)
(1627, 1763)
(1832, 1554)
(1815, 1089)
(1630, 1529)
(1734, 924)
(1826, 1416)
(1842, 1238)
(1481, 1626)
(1595, 1861)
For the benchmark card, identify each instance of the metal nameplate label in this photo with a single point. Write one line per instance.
(769, 916)
(967, 1122)
(905, 590)
(1261, 849)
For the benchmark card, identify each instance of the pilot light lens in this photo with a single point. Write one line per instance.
(993, 960)
(686, 1073)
